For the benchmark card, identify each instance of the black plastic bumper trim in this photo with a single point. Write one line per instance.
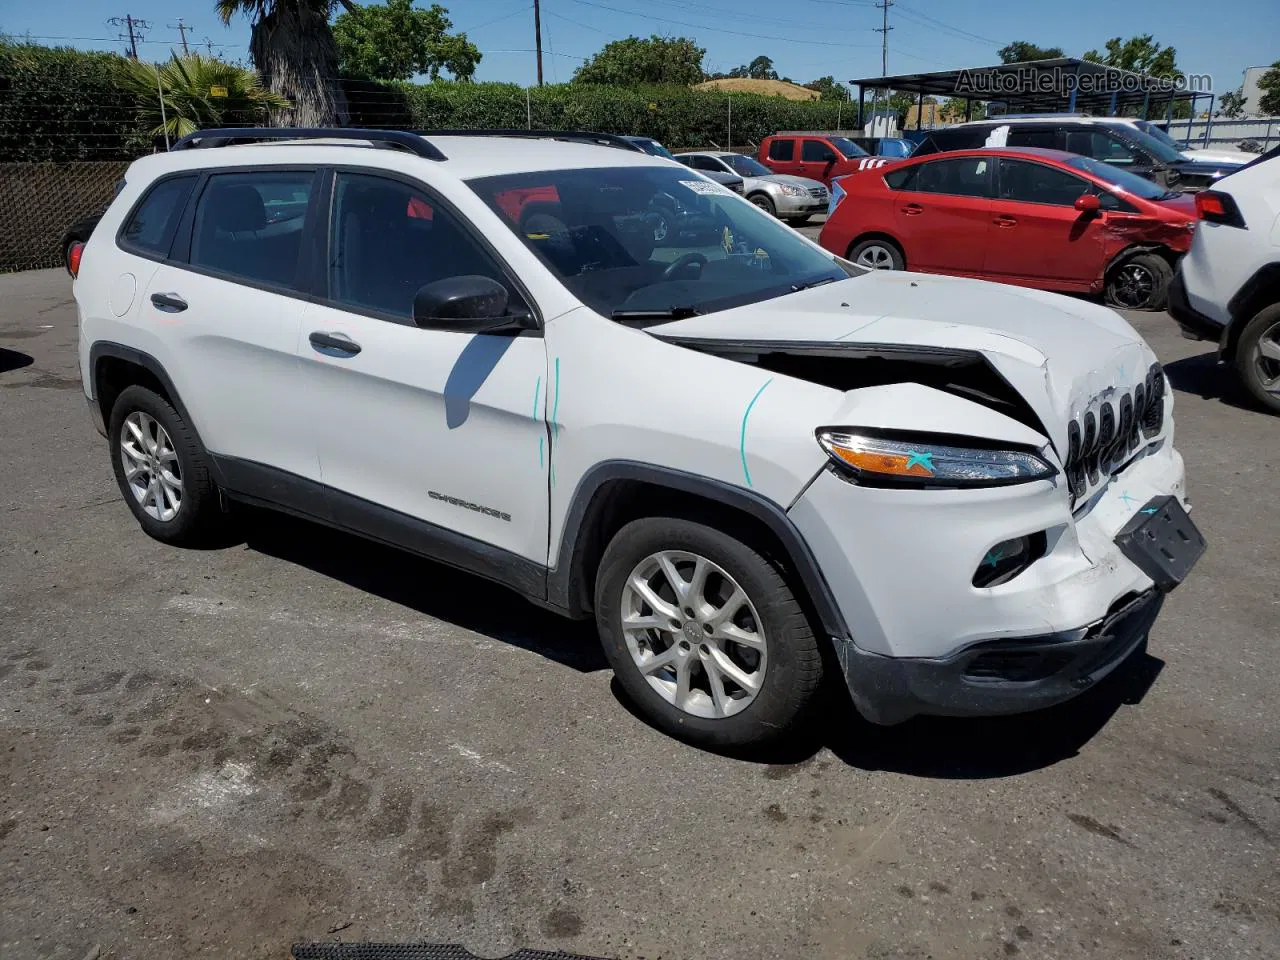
(1195, 325)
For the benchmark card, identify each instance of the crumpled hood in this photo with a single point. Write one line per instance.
(1063, 355)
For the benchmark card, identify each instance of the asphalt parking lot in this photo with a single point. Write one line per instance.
(300, 736)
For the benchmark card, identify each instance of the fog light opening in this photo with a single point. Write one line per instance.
(1008, 559)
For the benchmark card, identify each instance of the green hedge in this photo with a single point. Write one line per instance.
(59, 104)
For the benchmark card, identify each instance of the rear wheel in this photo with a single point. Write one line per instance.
(877, 254)
(704, 634)
(1140, 283)
(1258, 357)
(162, 470)
(764, 202)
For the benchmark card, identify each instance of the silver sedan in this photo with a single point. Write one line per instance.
(794, 199)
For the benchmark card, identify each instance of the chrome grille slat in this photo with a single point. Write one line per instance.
(1100, 442)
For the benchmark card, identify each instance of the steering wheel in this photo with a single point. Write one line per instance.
(682, 264)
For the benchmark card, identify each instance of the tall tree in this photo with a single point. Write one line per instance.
(293, 48)
(761, 68)
(1231, 104)
(395, 41)
(1269, 87)
(1141, 54)
(656, 60)
(829, 89)
(1020, 51)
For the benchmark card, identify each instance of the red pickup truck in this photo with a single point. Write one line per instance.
(815, 155)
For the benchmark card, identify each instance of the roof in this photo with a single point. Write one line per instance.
(1038, 85)
(767, 88)
(464, 157)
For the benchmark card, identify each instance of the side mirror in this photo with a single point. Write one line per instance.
(466, 304)
(1088, 203)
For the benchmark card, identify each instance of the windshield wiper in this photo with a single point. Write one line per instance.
(656, 313)
(797, 287)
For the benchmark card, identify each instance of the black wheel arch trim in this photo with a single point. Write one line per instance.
(1244, 305)
(568, 592)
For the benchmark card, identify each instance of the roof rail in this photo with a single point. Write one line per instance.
(223, 136)
(577, 136)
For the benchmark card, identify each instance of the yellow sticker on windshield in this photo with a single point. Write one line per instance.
(538, 236)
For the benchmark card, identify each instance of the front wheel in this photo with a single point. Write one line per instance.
(704, 634)
(1258, 357)
(764, 202)
(1140, 283)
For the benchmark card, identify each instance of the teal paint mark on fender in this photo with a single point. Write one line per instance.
(742, 435)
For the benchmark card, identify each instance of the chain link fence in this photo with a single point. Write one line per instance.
(39, 201)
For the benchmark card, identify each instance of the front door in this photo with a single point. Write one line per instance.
(817, 159)
(1037, 233)
(420, 426)
(942, 214)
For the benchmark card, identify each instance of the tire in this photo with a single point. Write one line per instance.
(663, 228)
(1140, 282)
(879, 253)
(196, 510)
(784, 663)
(1257, 357)
(763, 201)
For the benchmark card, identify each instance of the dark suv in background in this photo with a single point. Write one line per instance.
(1116, 142)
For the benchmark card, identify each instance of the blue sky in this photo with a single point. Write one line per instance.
(806, 38)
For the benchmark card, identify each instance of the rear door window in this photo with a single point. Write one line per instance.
(963, 177)
(782, 149)
(149, 228)
(249, 226)
(1044, 137)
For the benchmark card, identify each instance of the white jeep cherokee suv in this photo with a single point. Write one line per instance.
(1227, 287)
(750, 461)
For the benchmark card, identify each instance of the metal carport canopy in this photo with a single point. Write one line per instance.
(1052, 86)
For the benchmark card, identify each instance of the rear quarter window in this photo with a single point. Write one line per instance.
(902, 179)
(149, 228)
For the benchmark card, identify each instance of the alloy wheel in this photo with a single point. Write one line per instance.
(694, 634)
(151, 467)
(1266, 359)
(875, 257)
(1134, 285)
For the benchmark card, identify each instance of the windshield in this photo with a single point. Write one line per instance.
(1155, 133)
(653, 148)
(847, 147)
(648, 241)
(1126, 181)
(745, 166)
(1157, 148)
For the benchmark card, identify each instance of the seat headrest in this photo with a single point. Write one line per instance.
(236, 208)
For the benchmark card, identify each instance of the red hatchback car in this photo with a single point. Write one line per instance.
(1036, 218)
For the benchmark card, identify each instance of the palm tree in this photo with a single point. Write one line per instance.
(293, 47)
(188, 85)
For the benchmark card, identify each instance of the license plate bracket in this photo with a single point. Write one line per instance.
(1162, 541)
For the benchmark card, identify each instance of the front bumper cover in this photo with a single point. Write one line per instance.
(999, 676)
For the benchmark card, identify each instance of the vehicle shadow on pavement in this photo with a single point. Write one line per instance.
(13, 360)
(428, 588)
(949, 748)
(1202, 376)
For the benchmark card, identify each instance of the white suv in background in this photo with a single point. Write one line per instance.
(1227, 287)
(751, 462)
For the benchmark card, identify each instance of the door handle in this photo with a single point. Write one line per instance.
(168, 302)
(1005, 221)
(912, 209)
(333, 344)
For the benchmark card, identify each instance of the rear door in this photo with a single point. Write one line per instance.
(781, 156)
(228, 301)
(817, 159)
(942, 214)
(1037, 233)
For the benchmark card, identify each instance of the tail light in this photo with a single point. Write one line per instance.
(74, 255)
(1213, 206)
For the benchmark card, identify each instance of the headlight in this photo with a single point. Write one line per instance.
(928, 461)
(792, 191)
